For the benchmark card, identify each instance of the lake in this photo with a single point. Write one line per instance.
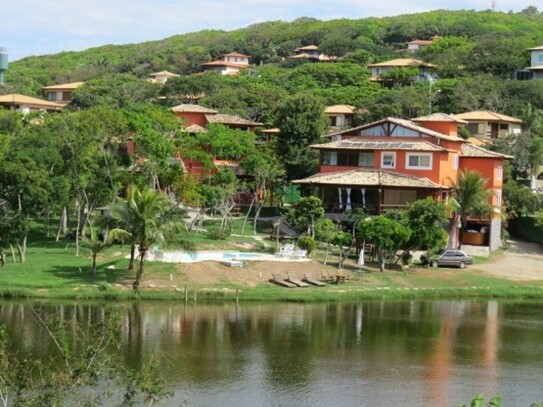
(414, 353)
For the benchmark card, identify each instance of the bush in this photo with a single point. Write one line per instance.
(217, 234)
(307, 243)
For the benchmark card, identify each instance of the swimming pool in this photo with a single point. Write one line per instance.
(209, 255)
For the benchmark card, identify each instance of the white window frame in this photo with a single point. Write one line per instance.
(418, 167)
(498, 198)
(390, 153)
(456, 161)
(499, 175)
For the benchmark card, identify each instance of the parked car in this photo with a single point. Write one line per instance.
(447, 257)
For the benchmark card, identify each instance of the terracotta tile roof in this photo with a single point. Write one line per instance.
(369, 178)
(225, 63)
(401, 62)
(439, 117)
(194, 129)
(229, 164)
(485, 115)
(308, 48)
(420, 42)
(401, 122)
(165, 73)
(64, 86)
(189, 108)
(472, 151)
(221, 118)
(340, 109)
(236, 54)
(17, 99)
(356, 144)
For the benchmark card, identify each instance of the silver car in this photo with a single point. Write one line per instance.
(448, 257)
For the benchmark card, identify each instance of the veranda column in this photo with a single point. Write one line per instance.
(340, 198)
(348, 206)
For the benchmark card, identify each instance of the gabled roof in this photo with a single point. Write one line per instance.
(398, 122)
(226, 63)
(402, 62)
(472, 151)
(221, 118)
(340, 109)
(356, 144)
(18, 99)
(485, 115)
(189, 108)
(64, 86)
(308, 48)
(439, 117)
(194, 129)
(236, 54)
(370, 178)
(165, 73)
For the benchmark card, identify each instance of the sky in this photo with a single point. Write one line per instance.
(38, 27)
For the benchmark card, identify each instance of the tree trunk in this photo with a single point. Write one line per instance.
(62, 224)
(13, 253)
(247, 214)
(94, 264)
(139, 274)
(257, 215)
(21, 253)
(132, 257)
(326, 253)
(78, 226)
(381, 259)
(46, 221)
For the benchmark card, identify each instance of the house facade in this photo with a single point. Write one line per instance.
(27, 104)
(61, 93)
(340, 116)
(426, 69)
(229, 64)
(535, 70)
(389, 164)
(486, 125)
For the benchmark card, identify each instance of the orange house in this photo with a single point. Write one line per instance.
(392, 162)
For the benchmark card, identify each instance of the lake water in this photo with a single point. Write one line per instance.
(437, 353)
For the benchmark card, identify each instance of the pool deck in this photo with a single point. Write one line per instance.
(181, 257)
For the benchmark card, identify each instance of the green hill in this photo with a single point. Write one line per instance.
(367, 39)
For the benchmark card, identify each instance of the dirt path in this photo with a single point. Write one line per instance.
(522, 261)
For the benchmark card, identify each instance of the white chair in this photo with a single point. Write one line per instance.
(285, 251)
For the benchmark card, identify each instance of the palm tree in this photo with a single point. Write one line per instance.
(95, 244)
(471, 197)
(145, 218)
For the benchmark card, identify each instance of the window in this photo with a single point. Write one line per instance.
(473, 128)
(348, 159)
(540, 58)
(329, 158)
(52, 96)
(504, 126)
(419, 161)
(332, 121)
(499, 197)
(365, 159)
(456, 160)
(500, 173)
(388, 159)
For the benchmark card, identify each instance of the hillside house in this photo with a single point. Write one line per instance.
(340, 116)
(426, 69)
(229, 64)
(61, 93)
(27, 104)
(202, 116)
(417, 45)
(390, 163)
(311, 52)
(486, 125)
(535, 70)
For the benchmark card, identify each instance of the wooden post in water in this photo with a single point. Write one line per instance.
(195, 298)
(237, 296)
(186, 295)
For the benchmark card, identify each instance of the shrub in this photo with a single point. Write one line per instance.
(307, 243)
(217, 234)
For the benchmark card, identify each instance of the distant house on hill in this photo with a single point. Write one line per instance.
(27, 104)
(417, 45)
(310, 52)
(61, 93)
(535, 70)
(229, 64)
(340, 116)
(162, 76)
(378, 69)
(487, 125)
(202, 116)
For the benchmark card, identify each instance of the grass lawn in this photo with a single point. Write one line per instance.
(53, 271)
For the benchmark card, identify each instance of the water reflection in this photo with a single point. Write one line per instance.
(375, 353)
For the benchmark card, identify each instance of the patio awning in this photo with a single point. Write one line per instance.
(369, 178)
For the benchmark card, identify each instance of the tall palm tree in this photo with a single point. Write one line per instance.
(147, 217)
(471, 197)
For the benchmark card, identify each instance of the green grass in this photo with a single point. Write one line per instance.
(53, 271)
